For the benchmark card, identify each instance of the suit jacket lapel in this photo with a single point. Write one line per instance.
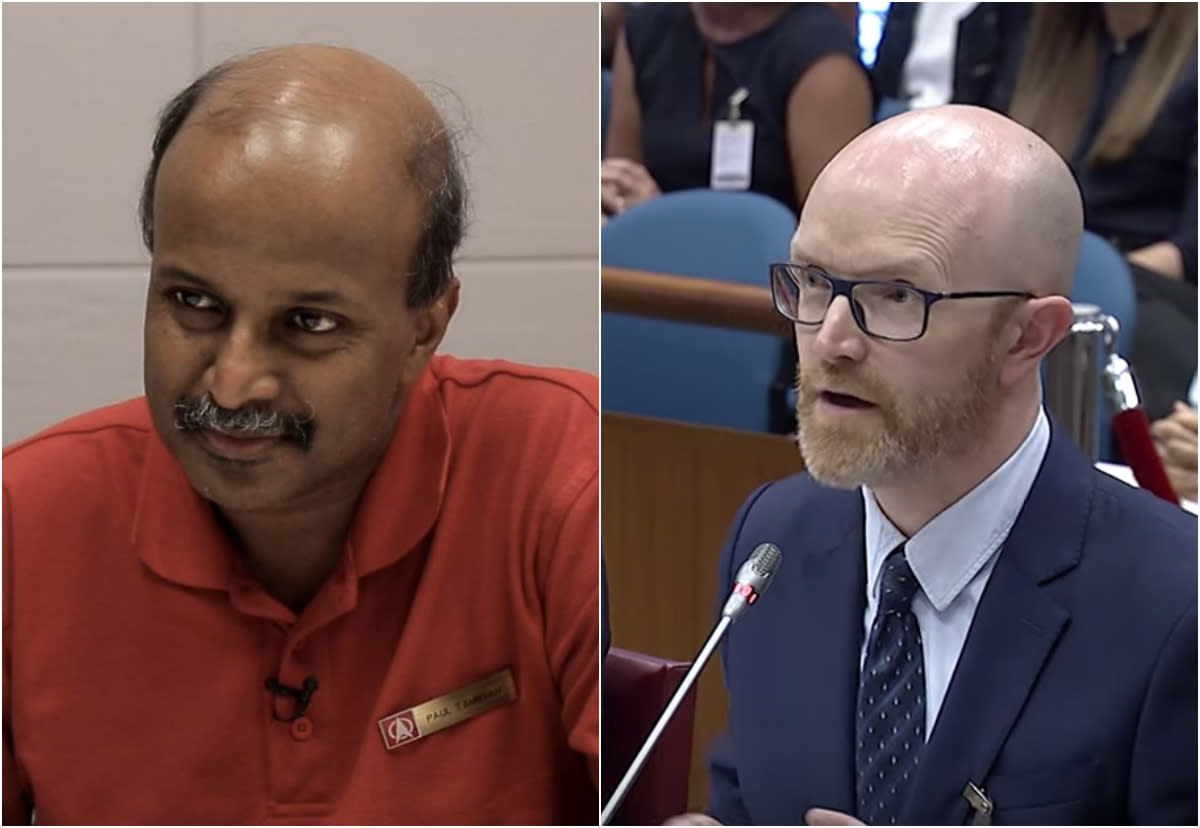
(1015, 627)
(826, 623)
(1014, 630)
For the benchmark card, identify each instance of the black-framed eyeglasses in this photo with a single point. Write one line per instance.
(895, 311)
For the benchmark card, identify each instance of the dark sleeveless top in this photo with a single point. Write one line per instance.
(668, 55)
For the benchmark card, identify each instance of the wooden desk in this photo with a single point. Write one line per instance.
(668, 492)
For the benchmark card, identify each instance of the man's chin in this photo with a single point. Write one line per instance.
(247, 495)
(857, 432)
(232, 482)
(845, 457)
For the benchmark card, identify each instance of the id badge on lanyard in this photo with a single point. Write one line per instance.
(733, 147)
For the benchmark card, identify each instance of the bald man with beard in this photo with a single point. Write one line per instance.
(319, 573)
(970, 623)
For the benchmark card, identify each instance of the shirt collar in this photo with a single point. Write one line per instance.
(176, 534)
(946, 553)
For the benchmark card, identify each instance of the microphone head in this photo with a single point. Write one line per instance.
(753, 577)
(765, 559)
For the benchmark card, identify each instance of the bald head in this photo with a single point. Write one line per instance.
(333, 122)
(318, 99)
(976, 197)
(325, 80)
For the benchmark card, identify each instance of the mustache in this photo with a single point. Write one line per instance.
(252, 420)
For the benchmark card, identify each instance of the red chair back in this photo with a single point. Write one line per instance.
(634, 691)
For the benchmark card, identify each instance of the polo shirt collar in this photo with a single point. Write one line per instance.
(404, 496)
(177, 535)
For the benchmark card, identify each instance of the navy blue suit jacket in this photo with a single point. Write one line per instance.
(1074, 698)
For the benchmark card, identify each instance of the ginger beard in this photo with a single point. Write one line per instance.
(906, 431)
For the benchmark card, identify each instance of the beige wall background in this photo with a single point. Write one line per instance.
(83, 83)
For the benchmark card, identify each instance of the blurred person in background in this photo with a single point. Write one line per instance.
(612, 18)
(684, 72)
(938, 53)
(1175, 438)
(849, 14)
(1112, 87)
(790, 69)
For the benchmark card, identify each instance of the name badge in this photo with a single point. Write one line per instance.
(733, 147)
(416, 723)
(732, 155)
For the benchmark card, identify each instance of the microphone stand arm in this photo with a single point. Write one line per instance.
(622, 789)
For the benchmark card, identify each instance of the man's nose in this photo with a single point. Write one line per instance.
(838, 337)
(243, 371)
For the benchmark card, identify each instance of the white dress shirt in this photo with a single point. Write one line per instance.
(928, 76)
(952, 558)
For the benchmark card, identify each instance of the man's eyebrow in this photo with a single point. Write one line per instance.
(799, 257)
(897, 272)
(172, 272)
(322, 297)
(806, 261)
(318, 297)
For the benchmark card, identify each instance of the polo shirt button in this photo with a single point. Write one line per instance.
(302, 729)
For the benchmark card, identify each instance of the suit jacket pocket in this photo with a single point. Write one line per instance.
(1063, 813)
(1050, 794)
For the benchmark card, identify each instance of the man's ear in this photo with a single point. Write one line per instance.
(429, 327)
(1040, 325)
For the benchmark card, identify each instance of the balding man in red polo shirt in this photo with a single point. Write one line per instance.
(317, 574)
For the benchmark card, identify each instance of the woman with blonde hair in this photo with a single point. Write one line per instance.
(1112, 86)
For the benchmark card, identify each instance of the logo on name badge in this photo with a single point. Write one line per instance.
(398, 729)
(416, 723)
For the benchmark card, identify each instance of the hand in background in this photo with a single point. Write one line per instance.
(1161, 257)
(815, 816)
(623, 184)
(691, 819)
(821, 816)
(1175, 438)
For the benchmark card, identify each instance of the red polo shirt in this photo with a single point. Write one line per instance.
(136, 645)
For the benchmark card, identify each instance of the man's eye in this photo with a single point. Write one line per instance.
(192, 299)
(310, 322)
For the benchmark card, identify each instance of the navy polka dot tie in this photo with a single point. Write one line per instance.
(891, 698)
